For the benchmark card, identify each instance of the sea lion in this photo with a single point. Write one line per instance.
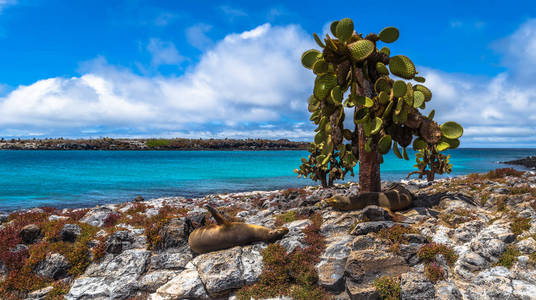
(228, 234)
(395, 197)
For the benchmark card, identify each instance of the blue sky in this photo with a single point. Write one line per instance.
(231, 69)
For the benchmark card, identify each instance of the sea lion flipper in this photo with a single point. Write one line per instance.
(216, 215)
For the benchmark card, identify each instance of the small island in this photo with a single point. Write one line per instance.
(150, 144)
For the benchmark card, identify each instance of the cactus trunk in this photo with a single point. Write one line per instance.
(369, 167)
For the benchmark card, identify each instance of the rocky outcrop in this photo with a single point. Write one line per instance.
(97, 216)
(30, 234)
(54, 266)
(70, 232)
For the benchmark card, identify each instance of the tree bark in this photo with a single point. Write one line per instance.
(369, 166)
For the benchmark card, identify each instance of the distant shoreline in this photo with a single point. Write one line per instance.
(176, 144)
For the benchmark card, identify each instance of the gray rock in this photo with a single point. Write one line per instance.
(3, 217)
(527, 246)
(220, 271)
(415, 286)
(338, 223)
(375, 213)
(361, 291)
(70, 232)
(115, 277)
(57, 218)
(332, 263)
(364, 266)
(367, 227)
(54, 266)
(151, 281)
(174, 234)
(523, 290)
(119, 241)
(30, 234)
(295, 238)
(171, 259)
(186, 285)
(473, 262)
(97, 216)
(447, 290)
(492, 283)
(40, 294)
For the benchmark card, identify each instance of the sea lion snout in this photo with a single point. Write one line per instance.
(276, 234)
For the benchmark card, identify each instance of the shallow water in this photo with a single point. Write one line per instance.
(86, 178)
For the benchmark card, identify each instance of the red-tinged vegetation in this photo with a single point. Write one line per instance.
(428, 252)
(291, 274)
(434, 272)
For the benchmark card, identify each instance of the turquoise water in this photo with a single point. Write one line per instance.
(86, 178)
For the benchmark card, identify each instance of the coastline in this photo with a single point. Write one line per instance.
(146, 242)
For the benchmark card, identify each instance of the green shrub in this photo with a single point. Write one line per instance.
(388, 287)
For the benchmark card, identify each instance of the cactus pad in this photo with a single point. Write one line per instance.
(344, 29)
(419, 144)
(318, 40)
(451, 130)
(426, 92)
(323, 85)
(381, 69)
(402, 66)
(399, 88)
(309, 57)
(361, 49)
(386, 51)
(389, 34)
(418, 99)
(384, 145)
(382, 85)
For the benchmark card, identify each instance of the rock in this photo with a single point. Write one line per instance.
(367, 227)
(174, 234)
(473, 262)
(447, 290)
(171, 259)
(332, 263)
(338, 223)
(441, 235)
(527, 246)
(54, 266)
(113, 277)
(151, 281)
(40, 294)
(3, 272)
(493, 283)
(295, 238)
(361, 291)
(30, 234)
(185, 285)
(375, 213)
(251, 263)
(57, 218)
(139, 198)
(365, 265)
(19, 248)
(119, 241)
(414, 285)
(468, 230)
(524, 290)
(97, 216)
(70, 232)
(220, 271)
(3, 217)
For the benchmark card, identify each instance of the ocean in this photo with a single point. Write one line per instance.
(87, 178)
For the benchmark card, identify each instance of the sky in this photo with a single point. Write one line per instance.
(216, 69)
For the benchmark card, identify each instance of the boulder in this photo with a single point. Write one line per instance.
(97, 216)
(30, 234)
(414, 285)
(171, 259)
(367, 227)
(447, 290)
(332, 263)
(54, 266)
(295, 238)
(119, 241)
(151, 281)
(494, 283)
(70, 232)
(375, 213)
(174, 234)
(3, 217)
(139, 199)
(186, 285)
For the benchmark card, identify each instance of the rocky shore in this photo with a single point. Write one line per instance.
(151, 144)
(527, 162)
(469, 237)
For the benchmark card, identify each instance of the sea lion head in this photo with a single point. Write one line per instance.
(339, 202)
(276, 234)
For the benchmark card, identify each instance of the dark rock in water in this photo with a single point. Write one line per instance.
(119, 241)
(30, 234)
(54, 266)
(70, 232)
(139, 199)
(527, 162)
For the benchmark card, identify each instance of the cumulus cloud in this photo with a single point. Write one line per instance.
(197, 36)
(163, 52)
(244, 81)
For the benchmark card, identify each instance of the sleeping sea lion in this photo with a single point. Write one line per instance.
(229, 234)
(394, 198)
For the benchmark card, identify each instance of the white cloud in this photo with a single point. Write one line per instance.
(245, 80)
(163, 52)
(197, 36)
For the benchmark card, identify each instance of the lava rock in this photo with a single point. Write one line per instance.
(54, 266)
(30, 234)
(70, 232)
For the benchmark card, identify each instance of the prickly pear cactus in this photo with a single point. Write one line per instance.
(386, 97)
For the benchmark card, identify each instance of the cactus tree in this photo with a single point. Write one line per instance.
(385, 95)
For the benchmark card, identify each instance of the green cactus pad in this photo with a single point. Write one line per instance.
(396, 151)
(320, 137)
(323, 84)
(344, 29)
(313, 104)
(384, 145)
(383, 97)
(442, 146)
(399, 88)
(388, 109)
(336, 95)
(364, 101)
(419, 79)
(382, 69)
(389, 34)
(318, 40)
(426, 92)
(309, 57)
(431, 115)
(402, 66)
(453, 144)
(419, 144)
(361, 116)
(375, 125)
(320, 66)
(333, 27)
(361, 49)
(451, 130)
(418, 99)
(382, 85)
(385, 50)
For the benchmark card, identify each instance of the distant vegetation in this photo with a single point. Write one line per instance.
(151, 144)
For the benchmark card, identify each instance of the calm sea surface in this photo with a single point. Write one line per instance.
(86, 178)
